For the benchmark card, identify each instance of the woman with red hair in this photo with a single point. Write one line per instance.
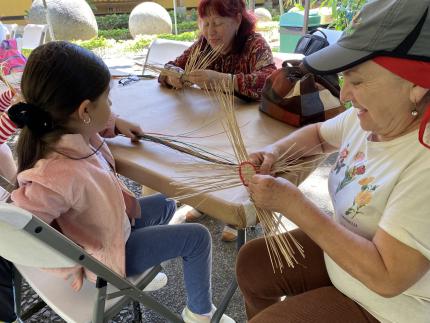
(245, 55)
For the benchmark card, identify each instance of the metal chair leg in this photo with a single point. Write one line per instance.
(241, 239)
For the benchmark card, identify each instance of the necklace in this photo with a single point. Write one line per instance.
(85, 157)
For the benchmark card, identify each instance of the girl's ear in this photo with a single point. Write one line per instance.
(83, 110)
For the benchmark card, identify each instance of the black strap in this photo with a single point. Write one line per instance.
(319, 30)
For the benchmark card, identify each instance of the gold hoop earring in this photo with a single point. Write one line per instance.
(87, 120)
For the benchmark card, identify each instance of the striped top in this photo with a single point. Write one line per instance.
(7, 127)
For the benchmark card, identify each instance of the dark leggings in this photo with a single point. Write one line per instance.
(311, 297)
(7, 312)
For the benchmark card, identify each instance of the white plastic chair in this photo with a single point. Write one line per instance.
(33, 36)
(12, 28)
(162, 51)
(30, 244)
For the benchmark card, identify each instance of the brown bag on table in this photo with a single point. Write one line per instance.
(297, 97)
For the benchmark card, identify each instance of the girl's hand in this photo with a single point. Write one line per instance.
(274, 194)
(205, 78)
(265, 159)
(128, 129)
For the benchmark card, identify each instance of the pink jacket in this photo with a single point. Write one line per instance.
(85, 198)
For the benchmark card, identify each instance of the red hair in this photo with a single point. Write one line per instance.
(231, 8)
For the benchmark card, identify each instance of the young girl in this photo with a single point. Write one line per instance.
(66, 174)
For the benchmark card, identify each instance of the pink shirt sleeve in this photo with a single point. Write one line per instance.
(109, 131)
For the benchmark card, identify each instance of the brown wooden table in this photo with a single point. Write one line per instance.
(167, 111)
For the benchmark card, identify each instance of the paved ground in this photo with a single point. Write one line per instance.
(173, 295)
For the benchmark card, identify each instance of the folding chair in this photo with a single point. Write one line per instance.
(30, 244)
(162, 51)
(33, 36)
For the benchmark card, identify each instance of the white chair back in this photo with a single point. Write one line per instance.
(12, 28)
(15, 241)
(162, 51)
(33, 36)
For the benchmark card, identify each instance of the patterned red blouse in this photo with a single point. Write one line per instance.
(251, 67)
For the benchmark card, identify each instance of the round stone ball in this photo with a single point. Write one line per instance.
(70, 19)
(149, 18)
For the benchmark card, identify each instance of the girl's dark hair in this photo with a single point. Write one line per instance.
(57, 78)
(231, 8)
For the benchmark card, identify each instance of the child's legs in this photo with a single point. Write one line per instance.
(151, 242)
(155, 210)
(149, 246)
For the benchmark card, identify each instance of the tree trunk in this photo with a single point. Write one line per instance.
(48, 21)
(251, 5)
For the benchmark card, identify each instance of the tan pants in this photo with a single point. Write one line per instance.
(311, 297)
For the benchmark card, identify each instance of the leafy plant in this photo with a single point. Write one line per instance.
(187, 26)
(96, 42)
(187, 36)
(117, 34)
(115, 21)
(343, 11)
(140, 43)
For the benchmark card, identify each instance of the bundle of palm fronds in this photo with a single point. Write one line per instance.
(200, 58)
(281, 245)
(188, 148)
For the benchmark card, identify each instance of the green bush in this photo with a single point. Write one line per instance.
(93, 43)
(114, 21)
(117, 34)
(187, 26)
(187, 36)
(139, 44)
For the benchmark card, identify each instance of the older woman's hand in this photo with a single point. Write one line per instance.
(274, 194)
(205, 78)
(174, 81)
(265, 159)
